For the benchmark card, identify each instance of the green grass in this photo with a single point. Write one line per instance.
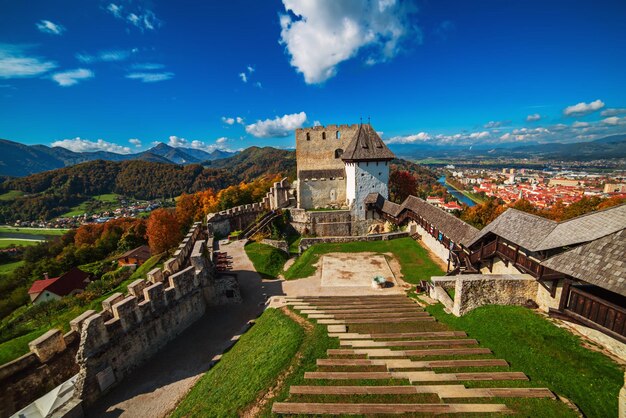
(415, 261)
(107, 202)
(550, 356)
(244, 372)
(75, 211)
(9, 267)
(11, 195)
(108, 198)
(32, 231)
(267, 260)
(13, 242)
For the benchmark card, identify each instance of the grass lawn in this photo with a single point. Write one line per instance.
(16, 347)
(75, 211)
(108, 198)
(549, 355)
(244, 372)
(32, 231)
(9, 267)
(11, 195)
(267, 260)
(13, 242)
(415, 261)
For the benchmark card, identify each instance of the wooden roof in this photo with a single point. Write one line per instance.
(141, 253)
(366, 145)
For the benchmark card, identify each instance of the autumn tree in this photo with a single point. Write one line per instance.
(483, 214)
(402, 184)
(163, 230)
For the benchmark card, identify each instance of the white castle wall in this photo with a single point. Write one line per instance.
(364, 178)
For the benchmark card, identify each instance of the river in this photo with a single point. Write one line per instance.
(457, 195)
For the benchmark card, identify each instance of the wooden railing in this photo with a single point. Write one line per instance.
(596, 311)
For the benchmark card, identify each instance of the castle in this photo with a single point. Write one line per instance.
(339, 165)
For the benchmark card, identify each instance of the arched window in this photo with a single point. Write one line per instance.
(308, 136)
(323, 135)
(338, 135)
(338, 153)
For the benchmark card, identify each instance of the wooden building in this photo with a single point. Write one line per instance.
(136, 256)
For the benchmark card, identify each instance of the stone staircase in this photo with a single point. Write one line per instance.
(397, 359)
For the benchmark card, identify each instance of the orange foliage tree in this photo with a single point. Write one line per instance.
(163, 230)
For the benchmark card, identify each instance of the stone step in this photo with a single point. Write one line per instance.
(378, 315)
(409, 364)
(424, 334)
(426, 376)
(443, 391)
(381, 408)
(360, 310)
(412, 343)
(375, 320)
(361, 297)
(385, 352)
(301, 307)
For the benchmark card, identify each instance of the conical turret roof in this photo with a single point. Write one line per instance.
(366, 145)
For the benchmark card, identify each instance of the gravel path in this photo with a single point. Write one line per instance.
(155, 388)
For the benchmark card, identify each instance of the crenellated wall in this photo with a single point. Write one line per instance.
(105, 346)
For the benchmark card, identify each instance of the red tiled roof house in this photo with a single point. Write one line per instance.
(70, 283)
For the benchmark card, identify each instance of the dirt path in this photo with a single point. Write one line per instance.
(261, 402)
(154, 389)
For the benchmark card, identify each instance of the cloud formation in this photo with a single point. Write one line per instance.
(410, 139)
(71, 77)
(150, 77)
(613, 112)
(231, 121)
(47, 26)
(279, 127)
(326, 33)
(84, 145)
(178, 142)
(15, 63)
(106, 56)
(138, 16)
(496, 124)
(533, 118)
(136, 142)
(583, 108)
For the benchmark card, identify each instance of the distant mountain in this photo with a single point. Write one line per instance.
(603, 148)
(17, 160)
(254, 162)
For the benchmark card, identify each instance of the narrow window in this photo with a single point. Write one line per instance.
(323, 135)
(338, 135)
(338, 153)
(308, 136)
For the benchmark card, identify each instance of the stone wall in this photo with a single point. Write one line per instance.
(280, 244)
(308, 242)
(316, 146)
(322, 192)
(474, 290)
(500, 267)
(545, 300)
(322, 223)
(51, 361)
(440, 250)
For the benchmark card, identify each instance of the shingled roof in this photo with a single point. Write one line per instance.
(366, 145)
(600, 262)
(535, 233)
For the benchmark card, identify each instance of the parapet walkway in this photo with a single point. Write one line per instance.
(397, 359)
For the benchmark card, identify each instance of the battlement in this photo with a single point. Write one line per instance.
(328, 128)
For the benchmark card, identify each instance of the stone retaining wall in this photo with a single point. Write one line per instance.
(280, 244)
(474, 290)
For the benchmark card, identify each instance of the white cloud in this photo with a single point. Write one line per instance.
(614, 120)
(613, 112)
(250, 69)
(496, 124)
(317, 123)
(244, 77)
(47, 26)
(105, 56)
(136, 142)
(71, 77)
(85, 145)
(479, 135)
(178, 142)
(533, 118)
(239, 120)
(583, 108)
(228, 121)
(221, 140)
(148, 66)
(175, 141)
(328, 32)
(150, 77)
(142, 18)
(14, 63)
(578, 124)
(410, 139)
(277, 127)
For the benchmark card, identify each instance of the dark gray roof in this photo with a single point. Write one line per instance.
(374, 198)
(366, 145)
(454, 228)
(601, 262)
(535, 233)
(321, 174)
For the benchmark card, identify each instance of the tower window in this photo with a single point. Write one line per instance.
(308, 136)
(338, 135)
(338, 153)
(323, 135)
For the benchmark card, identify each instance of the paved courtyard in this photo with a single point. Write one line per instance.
(354, 270)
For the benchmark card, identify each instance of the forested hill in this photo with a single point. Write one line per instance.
(54, 192)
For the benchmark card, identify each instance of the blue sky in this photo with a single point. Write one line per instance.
(120, 75)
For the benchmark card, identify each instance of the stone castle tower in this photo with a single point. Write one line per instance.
(339, 165)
